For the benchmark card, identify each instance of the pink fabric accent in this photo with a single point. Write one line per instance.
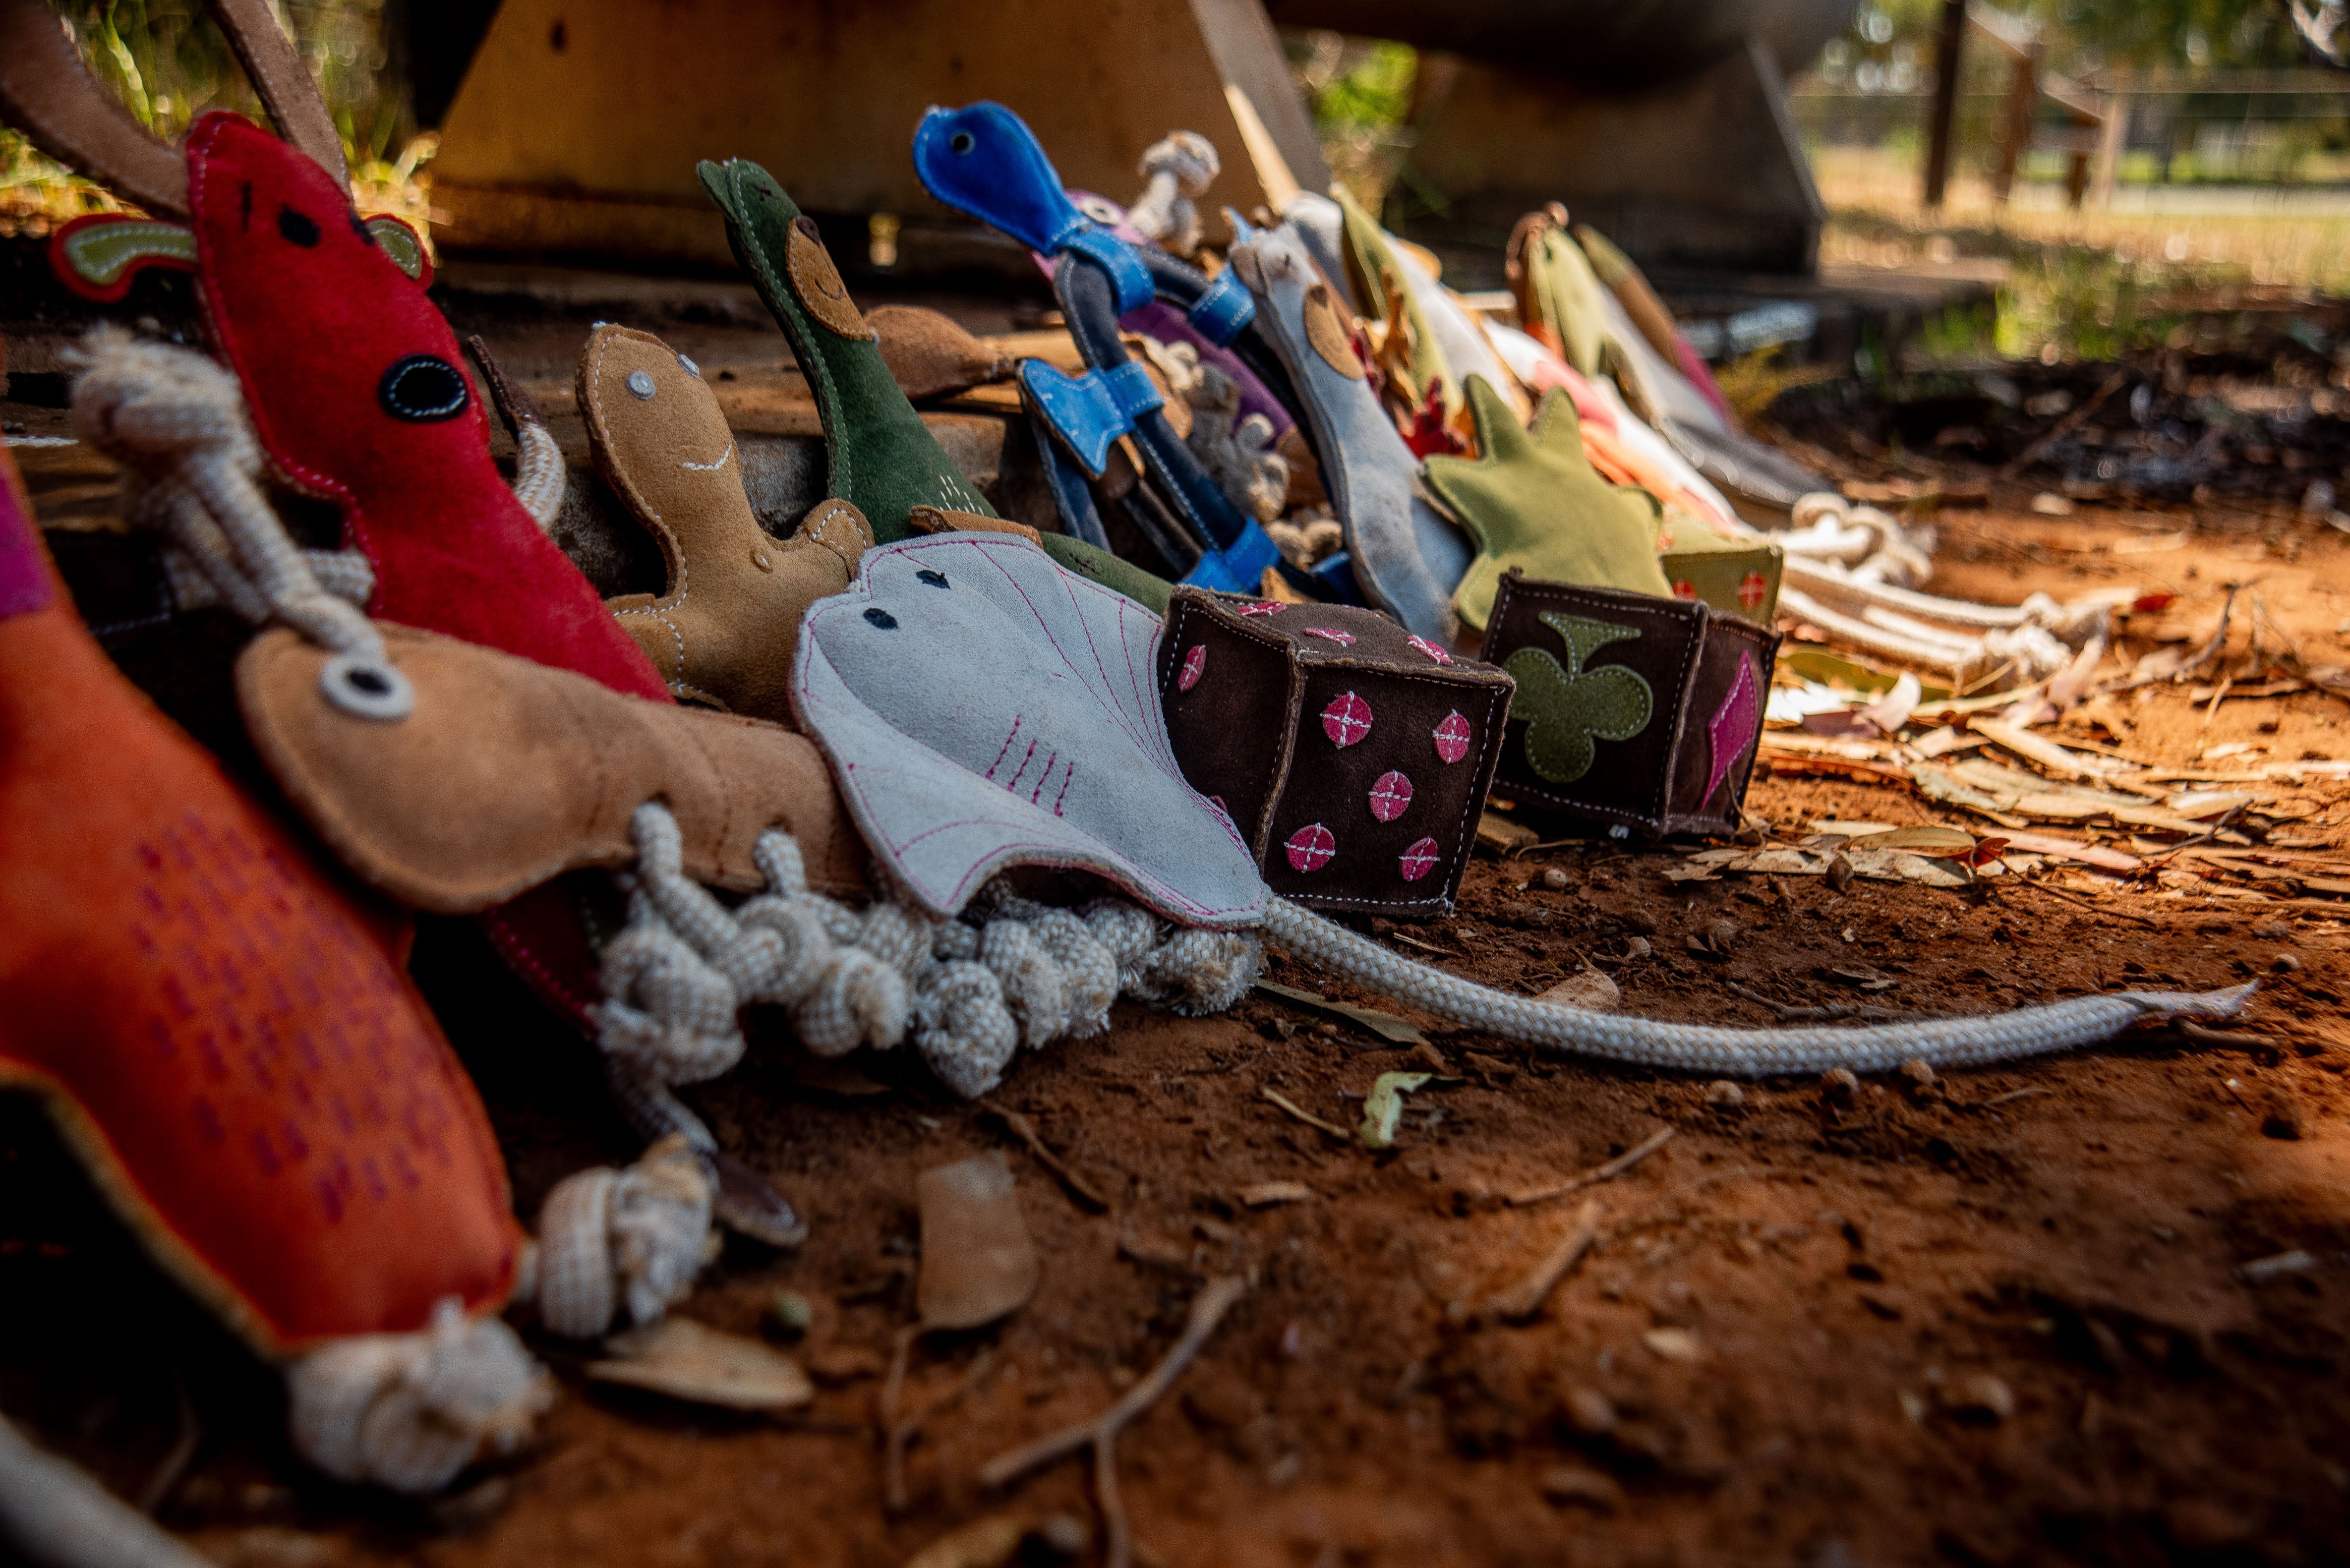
(1419, 860)
(1390, 796)
(1732, 727)
(23, 579)
(1263, 607)
(1342, 638)
(1310, 848)
(1194, 662)
(1422, 645)
(1347, 719)
(1452, 737)
(1754, 590)
(1700, 376)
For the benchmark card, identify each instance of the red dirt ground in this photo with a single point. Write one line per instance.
(1848, 1275)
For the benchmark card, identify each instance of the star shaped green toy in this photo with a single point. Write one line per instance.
(1534, 502)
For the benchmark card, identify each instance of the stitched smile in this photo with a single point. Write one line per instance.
(711, 467)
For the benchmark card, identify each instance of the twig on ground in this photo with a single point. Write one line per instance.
(1100, 1433)
(2076, 898)
(1077, 1187)
(1308, 1117)
(2011, 1095)
(2065, 426)
(1598, 1173)
(1525, 1299)
(2217, 828)
(901, 1432)
(2202, 1036)
(166, 1479)
(1833, 1011)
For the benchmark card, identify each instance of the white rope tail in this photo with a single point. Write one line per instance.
(540, 473)
(968, 992)
(1742, 1053)
(624, 1245)
(410, 1411)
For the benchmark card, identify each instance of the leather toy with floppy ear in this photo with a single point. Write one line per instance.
(351, 378)
(1407, 557)
(223, 1036)
(722, 628)
(882, 460)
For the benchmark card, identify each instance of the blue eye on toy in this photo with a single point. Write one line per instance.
(879, 617)
(963, 142)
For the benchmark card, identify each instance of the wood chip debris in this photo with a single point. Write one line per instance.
(687, 1361)
(1525, 1299)
(1267, 1194)
(1598, 1173)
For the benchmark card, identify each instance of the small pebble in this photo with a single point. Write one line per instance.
(1555, 879)
(2284, 963)
(2274, 931)
(2280, 1120)
(1574, 1483)
(1840, 1085)
(1979, 1395)
(1919, 1074)
(789, 1314)
(1588, 1412)
(1063, 1535)
(1838, 874)
(1724, 1095)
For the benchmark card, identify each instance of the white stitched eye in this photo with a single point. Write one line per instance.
(640, 384)
(691, 368)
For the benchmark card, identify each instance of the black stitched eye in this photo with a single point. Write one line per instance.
(963, 142)
(366, 234)
(423, 389)
(879, 617)
(936, 579)
(297, 229)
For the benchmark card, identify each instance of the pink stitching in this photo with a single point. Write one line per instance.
(1044, 778)
(1422, 645)
(1390, 796)
(1342, 638)
(1347, 719)
(1016, 721)
(1194, 662)
(1067, 779)
(1263, 607)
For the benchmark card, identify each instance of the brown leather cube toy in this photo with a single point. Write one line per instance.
(1633, 709)
(1352, 756)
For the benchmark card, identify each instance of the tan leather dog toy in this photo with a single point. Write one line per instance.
(723, 629)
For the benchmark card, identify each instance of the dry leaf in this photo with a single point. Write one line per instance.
(684, 1360)
(1587, 988)
(1383, 1108)
(978, 1263)
(1386, 1025)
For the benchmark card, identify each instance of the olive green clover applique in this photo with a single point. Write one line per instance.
(1567, 709)
(1534, 502)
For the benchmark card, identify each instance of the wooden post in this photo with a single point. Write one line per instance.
(1947, 57)
(2113, 139)
(2022, 99)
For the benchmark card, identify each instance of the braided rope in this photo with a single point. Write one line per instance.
(409, 1411)
(623, 1246)
(1175, 170)
(540, 472)
(176, 421)
(1722, 1052)
(970, 992)
(53, 1513)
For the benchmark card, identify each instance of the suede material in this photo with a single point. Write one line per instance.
(1408, 557)
(1098, 565)
(1591, 660)
(1736, 577)
(1533, 501)
(722, 628)
(314, 319)
(984, 710)
(508, 775)
(1561, 300)
(930, 520)
(220, 1031)
(930, 355)
(1655, 323)
(882, 458)
(1378, 278)
(1353, 756)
